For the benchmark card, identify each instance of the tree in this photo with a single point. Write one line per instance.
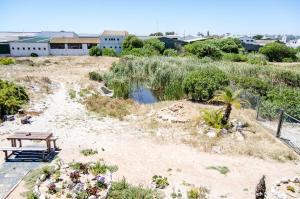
(95, 51)
(257, 36)
(170, 33)
(277, 52)
(157, 34)
(155, 44)
(131, 41)
(228, 45)
(170, 52)
(203, 49)
(229, 98)
(109, 52)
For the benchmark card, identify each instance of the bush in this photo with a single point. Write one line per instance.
(277, 52)
(197, 193)
(95, 51)
(170, 53)
(141, 52)
(95, 76)
(122, 190)
(155, 44)
(88, 152)
(203, 49)
(34, 55)
(287, 60)
(131, 41)
(281, 98)
(213, 118)
(174, 91)
(253, 84)
(227, 45)
(12, 97)
(235, 57)
(201, 84)
(6, 61)
(109, 52)
(258, 59)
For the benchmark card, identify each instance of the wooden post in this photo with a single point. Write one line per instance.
(279, 123)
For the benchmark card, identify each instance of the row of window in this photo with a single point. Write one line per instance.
(70, 46)
(18, 48)
(111, 39)
(112, 47)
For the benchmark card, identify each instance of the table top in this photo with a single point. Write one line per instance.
(30, 136)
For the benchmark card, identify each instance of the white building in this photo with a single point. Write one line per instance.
(294, 43)
(247, 40)
(25, 47)
(113, 40)
(72, 46)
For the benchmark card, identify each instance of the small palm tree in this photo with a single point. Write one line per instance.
(229, 98)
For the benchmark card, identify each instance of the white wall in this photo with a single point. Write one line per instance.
(16, 49)
(114, 44)
(247, 40)
(72, 52)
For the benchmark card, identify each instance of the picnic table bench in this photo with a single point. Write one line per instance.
(34, 136)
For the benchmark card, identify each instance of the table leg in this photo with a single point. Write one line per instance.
(20, 143)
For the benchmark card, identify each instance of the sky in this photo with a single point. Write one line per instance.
(142, 17)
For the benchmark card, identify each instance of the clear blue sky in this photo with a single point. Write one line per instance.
(145, 16)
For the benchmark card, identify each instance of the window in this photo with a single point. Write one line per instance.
(116, 47)
(44, 48)
(13, 48)
(39, 48)
(33, 48)
(74, 46)
(111, 47)
(57, 46)
(118, 39)
(18, 48)
(120, 47)
(28, 48)
(103, 46)
(23, 48)
(105, 39)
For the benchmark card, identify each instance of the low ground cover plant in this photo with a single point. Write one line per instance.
(95, 51)
(160, 182)
(88, 152)
(198, 193)
(221, 169)
(95, 76)
(6, 61)
(109, 52)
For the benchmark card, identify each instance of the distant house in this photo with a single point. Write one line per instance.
(250, 44)
(26, 46)
(294, 43)
(112, 39)
(247, 40)
(72, 46)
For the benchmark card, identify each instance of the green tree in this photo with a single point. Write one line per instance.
(277, 52)
(109, 52)
(132, 41)
(157, 34)
(170, 52)
(229, 98)
(155, 44)
(257, 36)
(203, 49)
(95, 51)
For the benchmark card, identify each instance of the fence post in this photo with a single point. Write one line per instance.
(257, 109)
(279, 123)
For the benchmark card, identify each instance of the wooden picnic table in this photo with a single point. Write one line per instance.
(19, 136)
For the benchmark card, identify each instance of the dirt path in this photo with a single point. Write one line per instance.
(139, 156)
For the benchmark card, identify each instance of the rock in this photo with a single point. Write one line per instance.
(65, 166)
(42, 196)
(211, 134)
(21, 111)
(56, 167)
(216, 149)
(26, 119)
(78, 187)
(239, 136)
(296, 180)
(284, 180)
(8, 117)
(36, 190)
(224, 131)
(92, 197)
(38, 182)
(278, 183)
(43, 177)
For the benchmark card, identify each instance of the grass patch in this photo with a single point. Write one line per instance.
(88, 152)
(72, 94)
(101, 168)
(222, 169)
(105, 106)
(122, 189)
(6, 61)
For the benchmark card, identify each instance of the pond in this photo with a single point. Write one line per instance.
(143, 95)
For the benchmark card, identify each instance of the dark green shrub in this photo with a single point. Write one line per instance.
(277, 52)
(12, 97)
(253, 84)
(34, 55)
(155, 44)
(6, 61)
(131, 41)
(170, 53)
(235, 57)
(227, 45)
(287, 60)
(95, 51)
(109, 52)
(203, 49)
(201, 84)
(95, 76)
(281, 98)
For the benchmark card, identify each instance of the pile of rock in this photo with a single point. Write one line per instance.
(66, 182)
(174, 113)
(287, 188)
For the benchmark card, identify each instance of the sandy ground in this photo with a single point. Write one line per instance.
(138, 155)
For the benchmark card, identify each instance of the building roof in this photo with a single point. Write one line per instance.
(83, 40)
(264, 41)
(114, 32)
(32, 40)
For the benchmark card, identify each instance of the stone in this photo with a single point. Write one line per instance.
(278, 183)
(36, 190)
(224, 131)
(26, 119)
(38, 182)
(92, 197)
(65, 166)
(284, 180)
(43, 177)
(296, 179)
(42, 197)
(78, 187)
(8, 117)
(211, 134)
(216, 149)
